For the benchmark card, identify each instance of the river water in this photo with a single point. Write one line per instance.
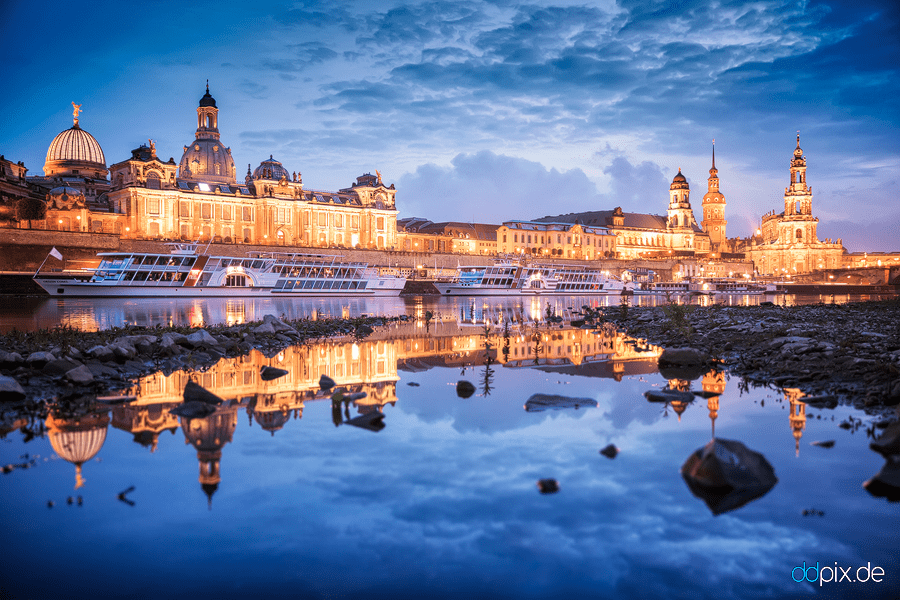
(276, 495)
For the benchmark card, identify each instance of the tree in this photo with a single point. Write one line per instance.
(31, 209)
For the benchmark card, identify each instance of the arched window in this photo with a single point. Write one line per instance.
(799, 234)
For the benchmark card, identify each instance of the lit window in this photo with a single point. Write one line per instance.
(203, 187)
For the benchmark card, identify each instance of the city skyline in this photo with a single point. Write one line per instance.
(491, 111)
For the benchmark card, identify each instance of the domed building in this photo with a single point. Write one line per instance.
(206, 159)
(209, 435)
(75, 153)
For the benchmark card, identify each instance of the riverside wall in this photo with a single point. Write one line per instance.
(23, 250)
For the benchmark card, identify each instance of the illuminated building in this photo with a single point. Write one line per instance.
(786, 243)
(200, 196)
(555, 240)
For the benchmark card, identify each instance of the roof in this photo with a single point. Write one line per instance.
(75, 144)
(603, 218)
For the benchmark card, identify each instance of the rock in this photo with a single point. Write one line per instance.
(726, 475)
(280, 326)
(80, 375)
(681, 357)
(888, 443)
(168, 345)
(193, 410)
(10, 390)
(610, 451)
(122, 351)
(886, 483)
(268, 373)
(10, 359)
(412, 384)
(373, 421)
(464, 389)
(668, 395)
(37, 360)
(264, 329)
(821, 401)
(326, 382)
(826, 444)
(196, 393)
(59, 367)
(201, 338)
(102, 353)
(548, 486)
(364, 330)
(542, 402)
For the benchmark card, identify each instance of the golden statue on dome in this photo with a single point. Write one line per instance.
(77, 109)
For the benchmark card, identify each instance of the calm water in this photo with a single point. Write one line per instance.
(32, 313)
(276, 496)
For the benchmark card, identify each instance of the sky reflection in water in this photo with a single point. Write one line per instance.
(443, 501)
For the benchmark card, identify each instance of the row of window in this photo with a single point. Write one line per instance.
(319, 284)
(282, 215)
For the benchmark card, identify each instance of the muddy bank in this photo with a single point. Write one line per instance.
(842, 352)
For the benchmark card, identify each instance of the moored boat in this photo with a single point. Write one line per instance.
(185, 272)
(507, 278)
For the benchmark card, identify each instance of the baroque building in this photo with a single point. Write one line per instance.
(202, 199)
(199, 197)
(787, 243)
(646, 235)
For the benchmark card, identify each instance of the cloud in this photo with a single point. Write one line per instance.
(491, 188)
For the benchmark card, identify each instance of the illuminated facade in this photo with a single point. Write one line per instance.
(645, 235)
(200, 196)
(556, 240)
(786, 243)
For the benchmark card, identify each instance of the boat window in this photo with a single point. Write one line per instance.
(140, 276)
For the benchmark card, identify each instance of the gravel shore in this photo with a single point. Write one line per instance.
(62, 362)
(846, 353)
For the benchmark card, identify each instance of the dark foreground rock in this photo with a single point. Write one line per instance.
(834, 352)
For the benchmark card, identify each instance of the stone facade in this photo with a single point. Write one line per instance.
(787, 243)
(197, 198)
(556, 240)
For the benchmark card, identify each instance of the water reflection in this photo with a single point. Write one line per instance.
(448, 484)
(28, 314)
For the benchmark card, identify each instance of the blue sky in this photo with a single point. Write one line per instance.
(489, 111)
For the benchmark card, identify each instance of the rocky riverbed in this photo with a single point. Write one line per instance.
(832, 352)
(67, 363)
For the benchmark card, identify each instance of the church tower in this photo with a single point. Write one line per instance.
(798, 196)
(714, 207)
(206, 159)
(680, 214)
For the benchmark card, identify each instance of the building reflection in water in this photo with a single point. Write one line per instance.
(370, 366)
(77, 439)
(797, 415)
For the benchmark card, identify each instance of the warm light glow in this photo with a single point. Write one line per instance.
(203, 187)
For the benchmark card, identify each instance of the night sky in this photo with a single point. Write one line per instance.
(489, 111)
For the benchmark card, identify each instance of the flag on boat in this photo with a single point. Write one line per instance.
(55, 253)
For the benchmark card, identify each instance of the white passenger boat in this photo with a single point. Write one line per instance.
(714, 286)
(512, 279)
(663, 288)
(185, 272)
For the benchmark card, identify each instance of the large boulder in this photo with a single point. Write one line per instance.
(726, 475)
(193, 410)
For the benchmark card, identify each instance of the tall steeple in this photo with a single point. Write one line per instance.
(798, 195)
(714, 207)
